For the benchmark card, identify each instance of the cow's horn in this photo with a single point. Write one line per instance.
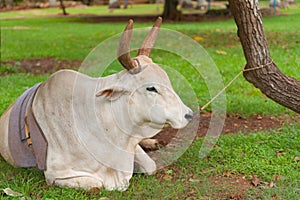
(124, 49)
(150, 39)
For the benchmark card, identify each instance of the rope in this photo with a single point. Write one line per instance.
(229, 84)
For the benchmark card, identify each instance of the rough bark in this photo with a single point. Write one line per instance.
(269, 79)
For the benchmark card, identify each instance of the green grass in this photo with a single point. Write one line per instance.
(137, 9)
(69, 39)
(270, 153)
(252, 154)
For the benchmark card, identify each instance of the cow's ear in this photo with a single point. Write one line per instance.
(112, 93)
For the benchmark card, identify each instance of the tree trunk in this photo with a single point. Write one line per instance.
(186, 4)
(267, 77)
(170, 10)
(62, 6)
(125, 4)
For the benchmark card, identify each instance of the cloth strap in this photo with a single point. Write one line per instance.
(27, 143)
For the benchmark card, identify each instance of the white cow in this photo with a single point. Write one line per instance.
(93, 126)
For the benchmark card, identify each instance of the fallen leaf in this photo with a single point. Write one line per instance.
(205, 170)
(198, 38)
(167, 177)
(278, 177)
(255, 180)
(242, 155)
(231, 196)
(10, 192)
(190, 198)
(259, 117)
(227, 174)
(297, 158)
(271, 184)
(220, 52)
(274, 196)
(94, 191)
(23, 198)
(194, 180)
(280, 152)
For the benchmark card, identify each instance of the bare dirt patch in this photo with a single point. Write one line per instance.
(42, 66)
(234, 123)
(230, 186)
(214, 186)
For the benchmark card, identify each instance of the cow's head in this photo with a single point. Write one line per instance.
(151, 100)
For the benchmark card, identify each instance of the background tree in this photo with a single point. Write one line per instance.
(267, 77)
(7, 3)
(186, 4)
(62, 6)
(87, 2)
(170, 10)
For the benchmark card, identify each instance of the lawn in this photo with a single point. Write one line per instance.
(271, 155)
(94, 10)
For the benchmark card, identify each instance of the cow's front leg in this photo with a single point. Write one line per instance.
(146, 164)
(79, 182)
(73, 179)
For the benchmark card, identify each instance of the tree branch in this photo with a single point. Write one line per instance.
(270, 80)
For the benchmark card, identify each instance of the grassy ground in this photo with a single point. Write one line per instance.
(94, 10)
(264, 154)
(68, 39)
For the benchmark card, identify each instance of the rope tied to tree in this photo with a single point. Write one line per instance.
(230, 83)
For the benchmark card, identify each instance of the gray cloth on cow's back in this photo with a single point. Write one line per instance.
(26, 155)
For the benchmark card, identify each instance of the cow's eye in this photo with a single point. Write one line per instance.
(152, 89)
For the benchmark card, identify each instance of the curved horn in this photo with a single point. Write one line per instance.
(124, 48)
(150, 39)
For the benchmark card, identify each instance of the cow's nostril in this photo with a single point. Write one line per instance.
(189, 117)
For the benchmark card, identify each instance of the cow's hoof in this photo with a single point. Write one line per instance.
(149, 144)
